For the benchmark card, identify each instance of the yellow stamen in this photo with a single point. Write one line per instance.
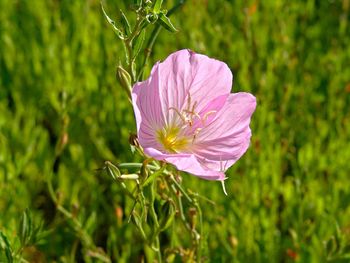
(171, 140)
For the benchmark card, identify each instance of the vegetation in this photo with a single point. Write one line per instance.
(63, 114)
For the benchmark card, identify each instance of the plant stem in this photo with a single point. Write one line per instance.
(128, 45)
(180, 188)
(153, 38)
(148, 49)
(200, 237)
(135, 165)
(159, 254)
(80, 232)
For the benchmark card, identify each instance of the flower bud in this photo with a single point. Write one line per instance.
(193, 217)
(124, 79)
(167, 215)
(133, 140)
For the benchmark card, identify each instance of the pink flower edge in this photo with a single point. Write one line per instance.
(186, 115)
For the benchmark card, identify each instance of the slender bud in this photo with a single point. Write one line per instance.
(124, 80)
(112, 170)
(129, 176)
(133, 140)
(193, 217)
(167, 215)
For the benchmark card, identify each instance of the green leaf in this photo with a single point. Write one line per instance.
(144, 24)
(25, 228)
(139, 42)
(133, 69)
(330, 246)
(90, 223)
(125, 23)
(167, 215)
(110, 21)
(154, 176)
(5, 245)
(157, 5)
(137, 221)
(132, 149)
(165, 22)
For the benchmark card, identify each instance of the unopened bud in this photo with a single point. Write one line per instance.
(129, 176)
(133, 140)
(112, 170)
(167, 215)
(193, 217)
(124, 80)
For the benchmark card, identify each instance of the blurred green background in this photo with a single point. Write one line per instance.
(289, 196)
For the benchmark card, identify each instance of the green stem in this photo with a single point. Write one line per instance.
(159, 254)
(135, 165)
(148, 49)
(126, 190)
(181, 189)
(153, 38)
(76, 224)
(80, 232)
(74, 250)
(128, 46)
(199, 240)
(181, 210)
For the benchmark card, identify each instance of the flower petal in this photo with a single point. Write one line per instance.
(148, 109)
(227, 137)
(188, 163)
(206, 115)
(185, 73)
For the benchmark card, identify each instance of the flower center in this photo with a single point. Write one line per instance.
(171, 140)
(185, 126)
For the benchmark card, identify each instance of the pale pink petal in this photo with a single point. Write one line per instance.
(191, 92)
(188, 163)
(207, 114)
(185, 73)
(216, 165)
(227, 136)
(148, 109)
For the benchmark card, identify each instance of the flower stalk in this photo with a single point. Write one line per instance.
(169, 133)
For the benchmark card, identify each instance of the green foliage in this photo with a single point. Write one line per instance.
(5, 248)
(63, 114)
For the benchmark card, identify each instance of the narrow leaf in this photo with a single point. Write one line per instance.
(5, 245)
(165, 22)
(167, 215)
(110, 21)
(153, 176)
(157, 6)
(90, 223)
(139, 42)
(125, 23)
(8, 253)
(25, 228)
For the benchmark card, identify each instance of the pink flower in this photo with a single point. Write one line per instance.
(186, 115)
